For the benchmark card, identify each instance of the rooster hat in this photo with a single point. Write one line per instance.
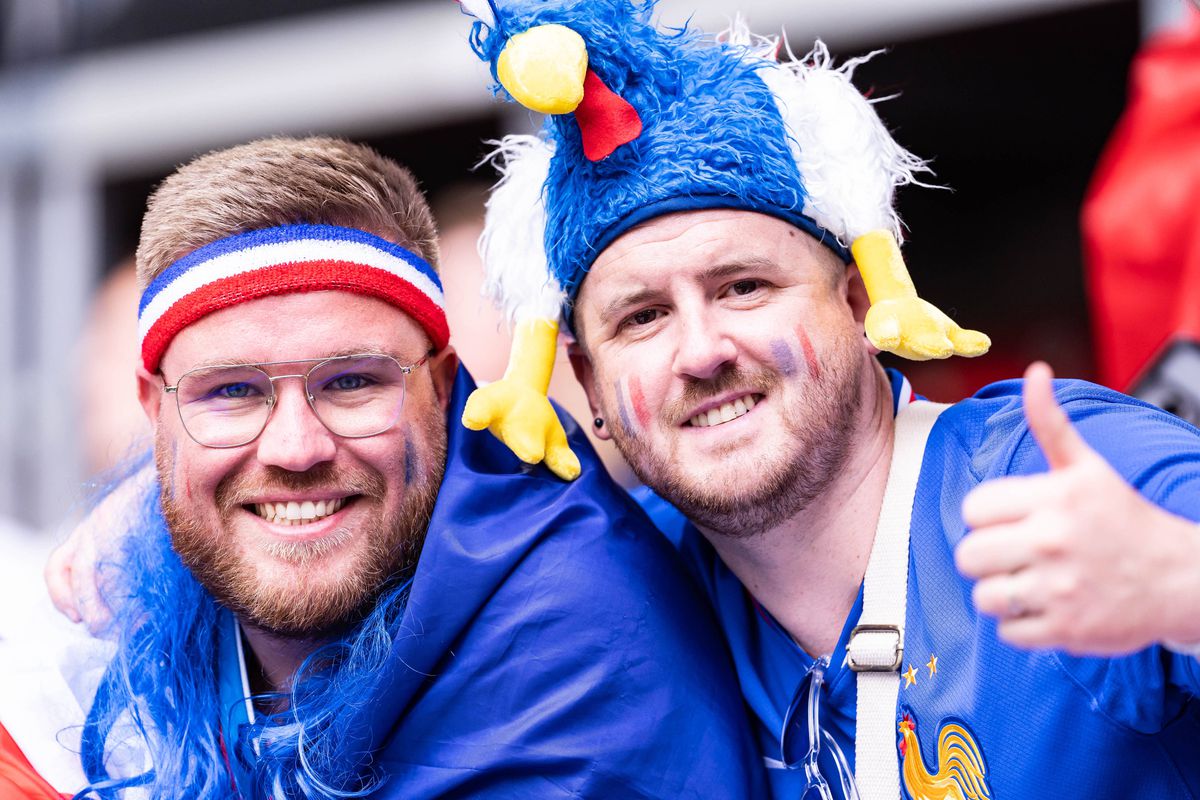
(643, 121)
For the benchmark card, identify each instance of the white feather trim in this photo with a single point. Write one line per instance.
(481, 10)
(517, 277)
(849, 162)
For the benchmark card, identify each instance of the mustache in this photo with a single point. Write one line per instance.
(698, 391)
(238, 490)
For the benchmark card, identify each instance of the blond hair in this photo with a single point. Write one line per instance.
(283, 181)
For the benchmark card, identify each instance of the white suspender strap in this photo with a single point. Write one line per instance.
(876, 647)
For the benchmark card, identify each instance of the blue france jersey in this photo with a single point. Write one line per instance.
(1038, 724)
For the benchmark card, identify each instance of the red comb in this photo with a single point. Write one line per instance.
(605, 119)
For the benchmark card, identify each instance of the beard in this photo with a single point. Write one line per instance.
(814, 443)
(315, 601)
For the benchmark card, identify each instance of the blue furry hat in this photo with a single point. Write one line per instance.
(643, 122)
(717, 122)
(712, 136)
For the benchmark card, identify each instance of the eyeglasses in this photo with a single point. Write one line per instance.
(354, 396)
(803, 730)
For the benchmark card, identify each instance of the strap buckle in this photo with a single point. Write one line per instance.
(873, 656)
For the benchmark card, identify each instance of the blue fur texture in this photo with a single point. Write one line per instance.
(163, 681)
(712, 135)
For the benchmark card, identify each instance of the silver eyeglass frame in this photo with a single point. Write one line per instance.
(270, 401)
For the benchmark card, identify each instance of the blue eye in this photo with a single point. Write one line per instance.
(349, 382)
(233, 391)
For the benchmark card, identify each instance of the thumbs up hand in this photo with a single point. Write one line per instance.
(1075, 558)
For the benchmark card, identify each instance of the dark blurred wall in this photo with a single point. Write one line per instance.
(1014, 118)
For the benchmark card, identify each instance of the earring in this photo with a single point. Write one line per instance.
(599, 423)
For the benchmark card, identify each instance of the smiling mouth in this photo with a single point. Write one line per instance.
(297, 512)
(725, 412)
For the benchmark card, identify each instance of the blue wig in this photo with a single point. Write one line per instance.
(160, 690)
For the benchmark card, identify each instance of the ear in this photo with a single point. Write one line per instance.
(442, 368)
(150, 394)
(581, 364)
(859, 302)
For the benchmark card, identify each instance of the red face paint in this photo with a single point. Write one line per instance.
(638, 398)
(810, 357)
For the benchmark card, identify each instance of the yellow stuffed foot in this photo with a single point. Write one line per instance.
(515, 408)
(899, 321)
(915, 329)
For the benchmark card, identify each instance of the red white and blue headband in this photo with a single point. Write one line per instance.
(283, 260)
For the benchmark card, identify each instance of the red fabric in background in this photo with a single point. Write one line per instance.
(18, 779)
(1141, 217)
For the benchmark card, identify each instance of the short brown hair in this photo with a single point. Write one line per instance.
(283, 181)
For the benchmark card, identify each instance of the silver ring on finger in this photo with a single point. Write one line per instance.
(1016, 607)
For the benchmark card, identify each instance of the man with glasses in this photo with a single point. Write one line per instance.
(329, 593)
(719, 228)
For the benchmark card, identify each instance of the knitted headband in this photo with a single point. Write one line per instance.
(283, 260)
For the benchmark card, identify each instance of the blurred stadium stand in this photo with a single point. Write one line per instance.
(100, 98)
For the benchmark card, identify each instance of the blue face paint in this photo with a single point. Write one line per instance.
(785, 359)
(410, 457)
(622, 411)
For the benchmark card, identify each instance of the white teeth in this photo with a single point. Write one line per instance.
(725, 413)
(298, 512)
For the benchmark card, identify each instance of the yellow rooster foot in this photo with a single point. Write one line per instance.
(524, 420)
(915, 329)
(899, 321)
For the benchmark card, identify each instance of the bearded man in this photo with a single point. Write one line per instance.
(326, 591)
(716, 228)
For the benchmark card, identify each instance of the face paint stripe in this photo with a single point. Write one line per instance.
(622, 411)
(785, 359)
(638, 398)
(410, 457)
(810, 357)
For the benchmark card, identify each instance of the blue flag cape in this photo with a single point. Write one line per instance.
(555, 647)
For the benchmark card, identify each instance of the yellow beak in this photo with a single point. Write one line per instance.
(543, 68)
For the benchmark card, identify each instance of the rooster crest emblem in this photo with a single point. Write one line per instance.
(961, 773)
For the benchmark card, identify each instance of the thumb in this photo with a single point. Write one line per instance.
(1060, 442)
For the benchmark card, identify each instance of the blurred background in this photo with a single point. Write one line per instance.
(100, 99)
